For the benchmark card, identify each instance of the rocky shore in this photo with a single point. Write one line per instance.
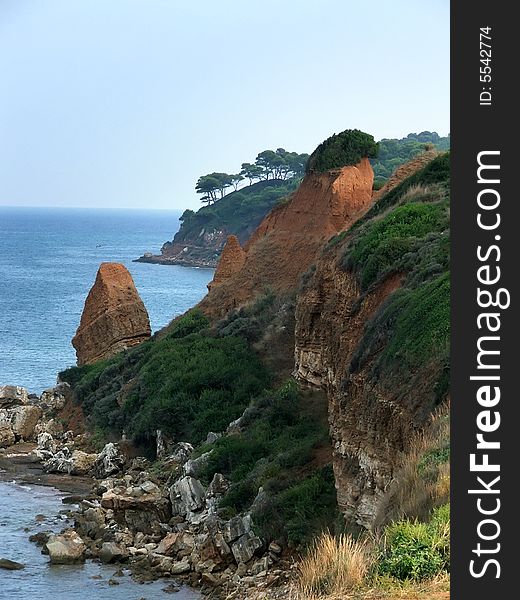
(200, 262)
(159, 523)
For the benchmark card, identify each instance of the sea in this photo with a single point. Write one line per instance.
(48, 262)
(28, 509)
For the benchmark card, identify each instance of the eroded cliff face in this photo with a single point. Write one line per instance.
(114, 317)
(369, 430)
(289, 238)
(376, 408)
(231, 261)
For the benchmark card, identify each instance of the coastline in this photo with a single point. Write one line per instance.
(17, 463)
(159, 259)
(19, 466)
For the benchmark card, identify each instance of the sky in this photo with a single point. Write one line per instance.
(125, 103)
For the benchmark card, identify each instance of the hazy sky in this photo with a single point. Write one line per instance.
(124, 103)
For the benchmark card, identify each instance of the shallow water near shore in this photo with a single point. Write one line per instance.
(19, 505)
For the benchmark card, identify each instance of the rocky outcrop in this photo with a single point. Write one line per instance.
(114, 317)
(18, 417)
(13, 395)
(66, 549)
(231, 261)
(109, 461)
(288, 240)
(200, 249)
(203, 234)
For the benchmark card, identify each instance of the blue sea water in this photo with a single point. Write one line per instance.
(48, 262)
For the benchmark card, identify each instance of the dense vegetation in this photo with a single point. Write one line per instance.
(269, 164)
(395, 152)
(413, 550)
(342, 149)
(410, 238)
(282, 433)
(185, 382)
(192, 380)
(237, 213)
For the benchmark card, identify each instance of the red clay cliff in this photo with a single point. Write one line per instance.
(287, 241)
(114, 317)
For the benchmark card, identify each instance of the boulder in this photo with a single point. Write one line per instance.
(10, 565)
(7, 437)
(112, 552)
(82, 462)
(236, 527)
(66, 548)
(194, 466)
(245, 547)
(90, 523)
(182, 566)
(54, 399)
(187, 496)
(141, 511)
(218, 487)
(13, 395)
(181, 452)
(46, 446)
(114, 317)
(212, 437)
(22, 419)
(109, 461)
(167, 545)
(60, 462)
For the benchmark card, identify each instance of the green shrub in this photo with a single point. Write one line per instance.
(417, 551)
(185, 382)
(343, 149)
(393, 244)
(302, 510)
(234, 456)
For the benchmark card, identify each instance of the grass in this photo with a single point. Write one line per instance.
(423, 481)
(410, 560)
(393, 243)
(334, 565)
(413, 550)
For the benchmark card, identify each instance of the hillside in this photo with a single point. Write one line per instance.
(203, 234)
(313, 379)
(395, 152)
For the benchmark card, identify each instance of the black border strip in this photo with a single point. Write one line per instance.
(476, 128)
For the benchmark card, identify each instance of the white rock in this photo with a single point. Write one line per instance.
(186, 496)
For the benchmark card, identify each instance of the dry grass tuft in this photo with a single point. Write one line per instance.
(423, 481)
(333, 566)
